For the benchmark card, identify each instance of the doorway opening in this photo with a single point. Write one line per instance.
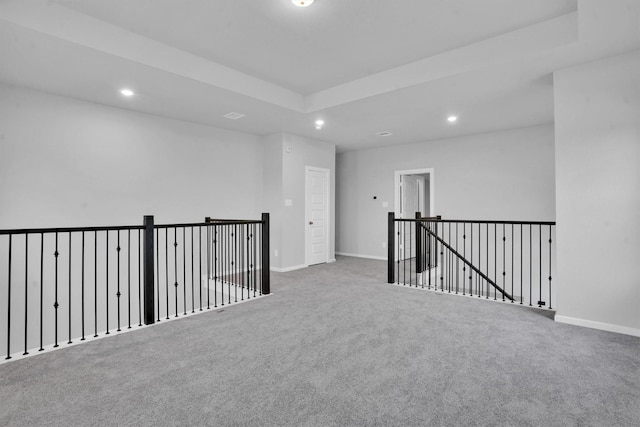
(413, 192)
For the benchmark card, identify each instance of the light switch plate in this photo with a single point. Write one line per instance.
(288, 202)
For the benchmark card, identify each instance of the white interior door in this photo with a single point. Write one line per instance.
(317, 215)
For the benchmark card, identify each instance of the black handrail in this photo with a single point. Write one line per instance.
(475, 221)
(69, 229)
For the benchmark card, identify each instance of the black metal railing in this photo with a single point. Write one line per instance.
(500, 260)
(70, 284)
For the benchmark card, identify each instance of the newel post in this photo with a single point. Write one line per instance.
(391, 220)
(266, 264)
(149, 315)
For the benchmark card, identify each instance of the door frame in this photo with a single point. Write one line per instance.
(396, 188)
(327, 206)
(396, 195)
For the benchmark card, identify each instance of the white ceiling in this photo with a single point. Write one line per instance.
(364, 66)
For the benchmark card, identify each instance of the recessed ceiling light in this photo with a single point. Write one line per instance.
(302, 3)
(452, 119)
(384, 133)
(127, 92)
(319, 124)
(233, 115)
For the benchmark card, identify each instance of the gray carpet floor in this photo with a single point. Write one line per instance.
(335, 345)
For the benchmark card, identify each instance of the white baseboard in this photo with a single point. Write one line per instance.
(362, 256)
(286, 269)
(598, 325)
(331, 260)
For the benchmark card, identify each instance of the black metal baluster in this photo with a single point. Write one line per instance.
(421, 266)
(540, 264)
(438, 263)
(222, 256)
(193, 298)
(247, 232)
(495, 262)
(450, 262)
(175, 265)
(241, 274)
(404, 253)
(478, 280)
(221, 259)
(208, 262)
(504, 273)
(140, 278)
(550, 267)
(184, 272)
(223, 242)
(512, 265)
(107, 275)
(229, 261)
(530, 264)
(397, 225)
(521, 264)
(69, 302)
(411, 233)
(41, 290)
(129, 278)
(464, 255)
(95, 283)
(118, 294)
(423, 250)
(26, 271)
(258, 264)
(9, 303)
(217, 243)
(82, 289)
(200, 263)
(429, 255)
(224, 265)
(234, 264)
(250, 260)
(471, 260)
(55, 304)
(457, 261)
(485, 284)
(255, 259)
(157, 278)
(216, 263)
(166, 269)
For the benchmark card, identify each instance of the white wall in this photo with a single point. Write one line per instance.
(301, 152)
(272, 193)
(65, 162)
(506, 175)
(597, 109)
(293, 153)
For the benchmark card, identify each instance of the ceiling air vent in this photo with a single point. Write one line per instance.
(385, 133)
(233, 115)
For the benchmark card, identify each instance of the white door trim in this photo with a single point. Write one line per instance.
(307, 169)
(396, 187)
